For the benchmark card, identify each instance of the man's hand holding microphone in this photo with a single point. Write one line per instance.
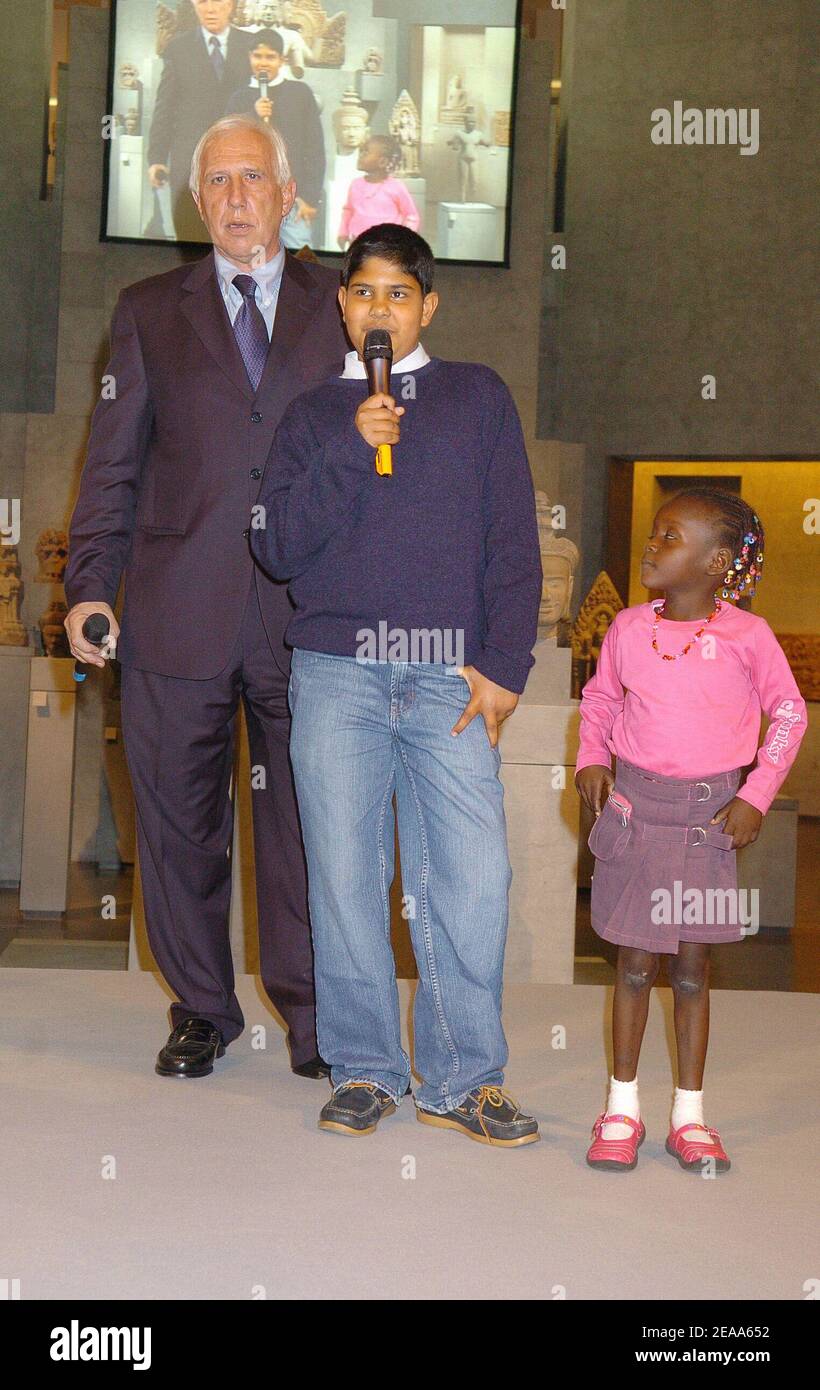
(83, 650)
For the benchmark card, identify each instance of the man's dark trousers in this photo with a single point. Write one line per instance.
(179, 740)
(175, 462)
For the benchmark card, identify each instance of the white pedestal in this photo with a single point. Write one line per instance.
(14, 701)
(127, 180)
(345, 170)
(370, 87)
(470, 232)
(538, 746)
(417, 188)
(49, 783)
(770, 865)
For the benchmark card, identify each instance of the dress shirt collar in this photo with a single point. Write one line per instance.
(254, 82)
(411, 363)
(223, 38)
(266, 276)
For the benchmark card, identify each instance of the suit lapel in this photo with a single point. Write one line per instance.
(237, 63)
(295, 308)
(204, 307)
(202, 58)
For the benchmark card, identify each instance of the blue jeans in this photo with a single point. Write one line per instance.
(361, 731)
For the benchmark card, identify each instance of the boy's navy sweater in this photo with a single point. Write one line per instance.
(448, 541)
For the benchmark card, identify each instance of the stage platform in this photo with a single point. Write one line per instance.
(225, 1188)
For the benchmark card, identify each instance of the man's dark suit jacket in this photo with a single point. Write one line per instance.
(296, 117)
(168, 487)
(190, 98)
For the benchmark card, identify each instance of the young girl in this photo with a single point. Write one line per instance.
(677, 698)
(377, 197)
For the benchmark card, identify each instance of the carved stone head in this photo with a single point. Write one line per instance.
(350, 123)
(52, 552)
(559, 563)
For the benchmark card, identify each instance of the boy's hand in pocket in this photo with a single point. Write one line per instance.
(492, 701)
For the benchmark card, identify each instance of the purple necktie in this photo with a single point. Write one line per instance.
(217, 58)
(251, 330)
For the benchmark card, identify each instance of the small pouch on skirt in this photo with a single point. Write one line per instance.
(612, 830)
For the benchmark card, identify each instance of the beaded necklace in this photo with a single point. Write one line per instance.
(659, 612)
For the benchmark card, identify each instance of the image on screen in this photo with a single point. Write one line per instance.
(391, 111)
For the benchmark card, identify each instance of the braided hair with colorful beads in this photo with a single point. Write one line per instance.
(740, 528)
(391, 151)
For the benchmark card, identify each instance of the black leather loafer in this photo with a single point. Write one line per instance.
(488, 1116)
(356, 1108)
(315, 1068)
(191, 1049)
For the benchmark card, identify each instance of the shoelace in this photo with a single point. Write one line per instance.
(360, 1085)
(496, 1098)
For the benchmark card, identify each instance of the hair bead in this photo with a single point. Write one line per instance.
(741, 531)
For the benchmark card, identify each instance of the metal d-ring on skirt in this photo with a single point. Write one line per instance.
(664, 841)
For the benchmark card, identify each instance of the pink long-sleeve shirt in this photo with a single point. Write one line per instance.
(368, 204)
(701, 714)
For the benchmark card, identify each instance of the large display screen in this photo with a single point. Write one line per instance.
(392, 110)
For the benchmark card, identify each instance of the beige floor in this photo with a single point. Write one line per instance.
(224, 1185)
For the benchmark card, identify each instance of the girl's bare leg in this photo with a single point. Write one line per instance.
(637, 972)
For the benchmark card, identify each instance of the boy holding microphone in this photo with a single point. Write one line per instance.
(446, 546)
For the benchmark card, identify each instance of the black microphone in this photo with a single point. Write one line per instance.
(95, 630)
(378, 359)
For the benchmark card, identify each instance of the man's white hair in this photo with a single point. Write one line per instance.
(278, 148)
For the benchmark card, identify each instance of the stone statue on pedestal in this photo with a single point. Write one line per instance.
(455, 100)
(559, 563)
(406, 126)
(373, 60)
(12, 632)
(595, 616)
(467, 143)
(52, 552)
(52, 629)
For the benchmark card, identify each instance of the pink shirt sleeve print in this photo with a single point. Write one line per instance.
(785, 709)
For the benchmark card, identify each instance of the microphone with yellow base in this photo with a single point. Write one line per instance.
(378, 359)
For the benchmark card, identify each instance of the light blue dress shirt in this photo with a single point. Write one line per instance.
(222, 39)
(268, 280)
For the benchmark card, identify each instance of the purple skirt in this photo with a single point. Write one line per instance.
(662, 874)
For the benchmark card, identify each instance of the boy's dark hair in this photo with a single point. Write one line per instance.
(269, 38)
(398, 245)
(740, 527)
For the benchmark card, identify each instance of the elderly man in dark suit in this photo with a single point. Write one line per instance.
(204, 361)
(200, 69)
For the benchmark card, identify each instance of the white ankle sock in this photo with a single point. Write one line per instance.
(622, 1100)
(687, 1109)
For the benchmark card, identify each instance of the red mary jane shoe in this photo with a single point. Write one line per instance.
(615, 1154)
(691, 1153)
